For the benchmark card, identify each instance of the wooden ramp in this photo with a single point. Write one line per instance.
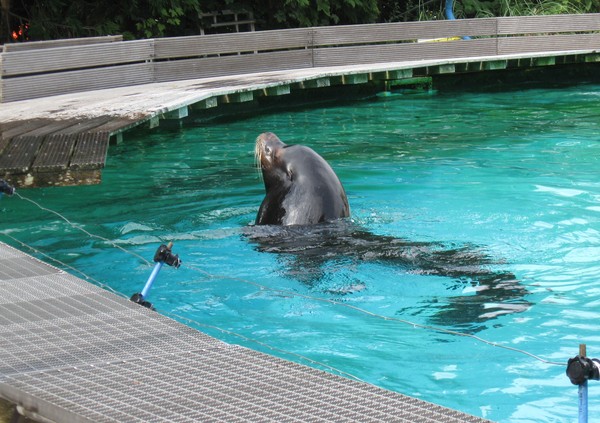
(42, 152)
(73, 352)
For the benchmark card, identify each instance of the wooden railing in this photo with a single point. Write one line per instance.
(109, 63)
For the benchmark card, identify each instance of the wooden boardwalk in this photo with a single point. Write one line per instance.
(63, 140)
(73, 352)
(62, 101)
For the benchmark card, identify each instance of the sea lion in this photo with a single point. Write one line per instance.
(301, 220)
(301, 187)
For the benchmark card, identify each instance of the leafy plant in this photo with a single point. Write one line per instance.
(158, 18)
(483, 8)
(156, 26)
(303, 13)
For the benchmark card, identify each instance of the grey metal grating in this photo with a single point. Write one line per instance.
(22, 267)
(195, 386)
(74, 352)
(38, 288)
(56, 331)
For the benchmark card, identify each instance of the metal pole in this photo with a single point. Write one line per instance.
(450, 10)
(151, 279)
(163, 255)
(583, 391)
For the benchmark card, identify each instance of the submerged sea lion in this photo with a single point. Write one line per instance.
(310, 253)
(301, 187)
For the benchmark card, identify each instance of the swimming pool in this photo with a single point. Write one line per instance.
(512, 175)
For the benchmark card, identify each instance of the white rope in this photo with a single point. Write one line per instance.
(79, 228)
(379, 316)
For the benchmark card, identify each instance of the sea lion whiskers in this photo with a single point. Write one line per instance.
(258, 154)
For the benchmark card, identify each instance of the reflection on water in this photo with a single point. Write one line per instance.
(475, 212)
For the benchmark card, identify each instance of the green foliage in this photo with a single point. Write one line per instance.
(156, 25)
(305, 13)
(132, 18)
(159, 18)
(411, 10)
(483, 8)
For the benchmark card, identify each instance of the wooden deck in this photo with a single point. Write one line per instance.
(62, 101)
(43, 152)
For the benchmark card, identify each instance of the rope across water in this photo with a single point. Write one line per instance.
(262, 288)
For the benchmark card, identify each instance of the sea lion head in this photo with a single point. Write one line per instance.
(266, 149)
(301, 187)
(269, 151)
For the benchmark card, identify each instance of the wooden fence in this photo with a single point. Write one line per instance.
(67, 66)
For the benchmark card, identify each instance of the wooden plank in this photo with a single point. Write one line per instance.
(19, 154)
(401, 31)
(548, 24)
(14, 129)
(385, 53)
(115, 125)
(35, 86)
(370, 33)
(376, 33)
(206, 45)
(4, 141)
(79, 126)
(232, 65)
(75, 57)
(54, 153)
(35, 45)
(21, 151)
(49, 127)
(90, 151)
(535, 44)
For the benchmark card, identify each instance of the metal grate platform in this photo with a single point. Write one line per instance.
(70, 351)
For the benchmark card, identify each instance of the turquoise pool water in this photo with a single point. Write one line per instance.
(513, 175)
